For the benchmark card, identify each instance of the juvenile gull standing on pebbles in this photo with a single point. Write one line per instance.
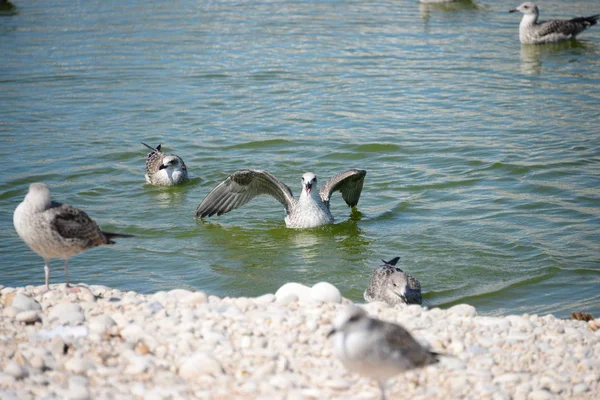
(392, 285)
(533, 32)
(375, 348)
(311, 210)
(164, 169)
(55, 230)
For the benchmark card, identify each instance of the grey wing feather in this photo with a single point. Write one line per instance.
(72, 223)
(570, 27)
(241, 187)
(349, 183)
(402, 344)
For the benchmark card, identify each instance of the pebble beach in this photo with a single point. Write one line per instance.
(103, 343)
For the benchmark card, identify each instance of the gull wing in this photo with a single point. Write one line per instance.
(567, 28)
(241, 187)
(350, 183)
(401, 345)
(72, 223)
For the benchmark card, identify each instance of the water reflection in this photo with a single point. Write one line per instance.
(426, 9)
(533, 55)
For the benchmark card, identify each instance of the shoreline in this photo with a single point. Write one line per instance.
(105, 343)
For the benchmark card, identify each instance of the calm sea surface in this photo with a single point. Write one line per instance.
(483, 156)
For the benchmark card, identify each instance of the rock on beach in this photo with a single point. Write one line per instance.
(106, 343)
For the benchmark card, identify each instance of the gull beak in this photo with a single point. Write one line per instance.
(331, 332)
(308, 187)
(515, 10)
(163, 166)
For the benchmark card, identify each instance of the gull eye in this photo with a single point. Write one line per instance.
(353, 318)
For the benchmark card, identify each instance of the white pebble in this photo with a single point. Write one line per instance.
(67, 314)
(326, 293)
(302, 292)
(13, 369)
(462, 310)
(200, 364)
(23, 303)
(28, 317)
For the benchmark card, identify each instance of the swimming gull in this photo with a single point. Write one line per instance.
(392, 285)
(533, 32)
(375, 348)
(55, 230)
(164, 169)
(309, 211)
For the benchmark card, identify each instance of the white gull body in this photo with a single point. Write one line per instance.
(533, 32)
(375, 348)
(392, 285)
(309, 211)
(55, 230)
(164, 169)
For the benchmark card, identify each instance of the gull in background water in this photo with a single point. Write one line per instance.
(309, 211)
(533, 32)
(164, 169)
(375, 348)
(392, 285)
(55, 230)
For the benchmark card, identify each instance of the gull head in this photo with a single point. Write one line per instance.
(350, 319)
(39, 196)
(170, 163)
(527, 8)
(309, 180)
(396, 284)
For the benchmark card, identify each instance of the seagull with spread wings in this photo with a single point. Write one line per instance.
(309, 211)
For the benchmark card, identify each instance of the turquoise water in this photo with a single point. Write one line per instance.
(483, 156)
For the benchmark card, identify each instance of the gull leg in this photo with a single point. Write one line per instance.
(47, 273)
(382, 388)
(68, 286)
(67, 271)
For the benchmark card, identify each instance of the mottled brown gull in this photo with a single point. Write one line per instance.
(164, 169)
(376, 349)
(392, 285)
(309, 211)
(533, 32)
(55, 230)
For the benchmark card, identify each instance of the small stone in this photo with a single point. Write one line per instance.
(78, 388)
(67, 314)
(11, 312)
(13, 369)
(302, 292)
(200, 364)
(78, 365)
(195, 298)
(28, 317)
(540, 395)
(462, 310)
(101, 324)
(580, 388)
(24, 303)
(264, 299)
(325, 293)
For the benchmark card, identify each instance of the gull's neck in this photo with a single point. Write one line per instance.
(38, 203)
(529, 19)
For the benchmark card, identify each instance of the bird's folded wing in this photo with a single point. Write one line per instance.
(563, 27)
(72, 223)
(241, 187)
(349, 183)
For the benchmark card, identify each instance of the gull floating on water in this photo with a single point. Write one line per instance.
(392, 285)
(533, 32)
(375, 348)
(55, 230)
(164, 169)
(309, 211)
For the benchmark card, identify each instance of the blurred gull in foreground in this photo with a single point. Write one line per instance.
(164, 169)
(392, 285)
(55, 230)
(375, 348)
(309, 211)
(533, 32)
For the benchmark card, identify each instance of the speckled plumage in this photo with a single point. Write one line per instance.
(164, 169)
(55, 230)
(309, 211)
(374, 348)
(390, 284)
(533, 32)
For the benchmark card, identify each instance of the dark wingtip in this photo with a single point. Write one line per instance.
(393, 261)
